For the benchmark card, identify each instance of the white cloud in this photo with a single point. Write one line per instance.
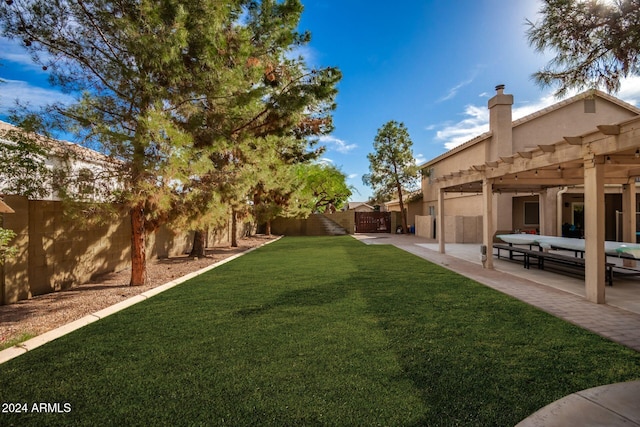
(337, 144)
(475, 123)
(325, 161)
(14, 52)
(520, 111)
(12, 90)
(353, 175)
(419, 158)
(630, 90)
(454, 90)
(306, 52)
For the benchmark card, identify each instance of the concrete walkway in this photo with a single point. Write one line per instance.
(609, 405)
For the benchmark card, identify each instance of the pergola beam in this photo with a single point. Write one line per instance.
(507, 160)
(573, 140)
(609, 129)
(547, 148)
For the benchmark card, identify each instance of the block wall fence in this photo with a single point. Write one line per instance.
(56, 252)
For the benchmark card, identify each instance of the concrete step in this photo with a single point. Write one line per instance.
(320, 225)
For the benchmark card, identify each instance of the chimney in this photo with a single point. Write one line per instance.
(500, 124)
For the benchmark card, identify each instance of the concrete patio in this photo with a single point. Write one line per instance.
(625, 292)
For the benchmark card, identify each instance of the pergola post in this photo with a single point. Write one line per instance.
(629, 218)
(594, 229)
(440, 222)
(487, 222)
(542, 212)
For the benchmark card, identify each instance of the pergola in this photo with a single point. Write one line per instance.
(610, 155)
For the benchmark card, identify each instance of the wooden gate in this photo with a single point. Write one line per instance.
(373, 222)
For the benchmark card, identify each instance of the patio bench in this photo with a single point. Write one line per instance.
(515, 251)
(550, 257)
(570, 261)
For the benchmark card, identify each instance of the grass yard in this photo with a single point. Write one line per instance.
(315, 331)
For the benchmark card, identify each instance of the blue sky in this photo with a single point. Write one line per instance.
(432, 64)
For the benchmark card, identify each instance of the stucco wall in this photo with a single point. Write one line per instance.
(425, 226)
(463, 159)
(457, 229)
(463, 229)
(569, 120)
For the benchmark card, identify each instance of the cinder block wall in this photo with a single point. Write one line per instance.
(288, 226)
(346, 219)
(56, 253)
(311, 226)
(15, 279)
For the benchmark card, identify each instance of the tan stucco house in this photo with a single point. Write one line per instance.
(569, 168)
(359, 207)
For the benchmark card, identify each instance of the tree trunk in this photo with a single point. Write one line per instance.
(403, 214)
(198, 248)
(138, 249)
(234, 229)
(268, 228)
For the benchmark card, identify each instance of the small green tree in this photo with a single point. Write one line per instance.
(392, 166)
(596, 43)
(324, 187)
(6, 236)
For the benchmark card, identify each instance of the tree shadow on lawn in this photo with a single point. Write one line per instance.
(305, 297)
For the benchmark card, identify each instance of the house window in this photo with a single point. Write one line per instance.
(85, 182)
(432, 210)
(531, 213)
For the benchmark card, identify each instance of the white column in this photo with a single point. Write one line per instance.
(594, 229)
(487, 221)
(629, 218)
(545, 222)
(440, 221)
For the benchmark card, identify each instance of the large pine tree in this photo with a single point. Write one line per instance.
(168, 85)
(596, 43)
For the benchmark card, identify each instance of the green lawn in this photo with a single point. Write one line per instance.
(315, 331)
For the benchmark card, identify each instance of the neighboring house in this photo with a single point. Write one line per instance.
(519, 210)
(575, 163)
(88, 174)
(359, 207)
(412, 205)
